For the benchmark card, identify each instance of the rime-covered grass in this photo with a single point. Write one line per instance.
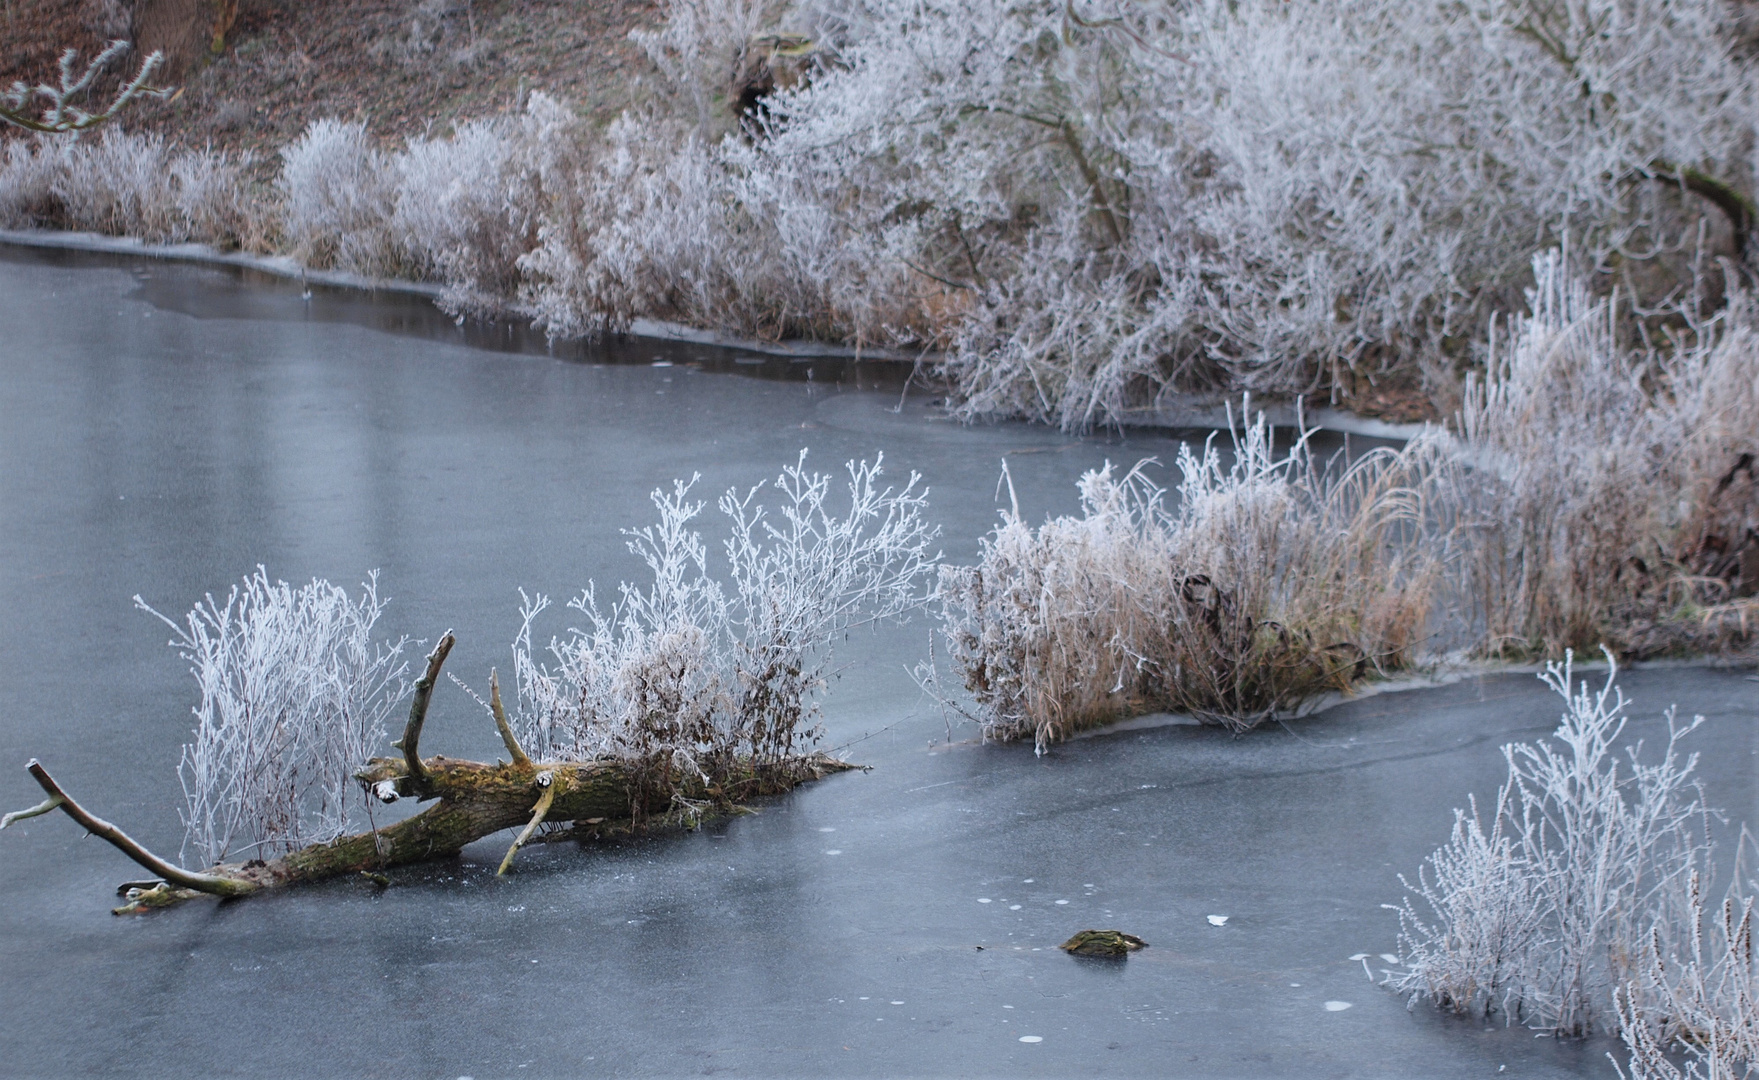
(699, 673)
(1271, 580)
(295, 693)
(128, 185)
(1536, 906)
(1699, 999)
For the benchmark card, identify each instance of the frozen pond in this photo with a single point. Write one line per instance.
(164, 429)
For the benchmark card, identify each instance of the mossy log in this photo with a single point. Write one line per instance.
(472, 800)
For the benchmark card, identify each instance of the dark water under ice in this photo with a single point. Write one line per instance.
(164, 429)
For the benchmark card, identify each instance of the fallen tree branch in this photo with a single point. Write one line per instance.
(472, 800)
(410, 744)
(216, 884)
(516, 751)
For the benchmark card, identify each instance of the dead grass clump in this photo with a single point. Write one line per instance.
(1273, 580)
(1611, 491)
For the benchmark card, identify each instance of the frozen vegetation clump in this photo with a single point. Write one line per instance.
(1273, 579)
(693, 677)
(1613, 491)
(295, 692)
(1576, 882)
(1597, 489)
(339, 194)
(466, 207)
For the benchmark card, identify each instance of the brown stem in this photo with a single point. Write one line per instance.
(544, 780)
(1092, 177)
(1739, 209)
(410, 744)
(501, 725)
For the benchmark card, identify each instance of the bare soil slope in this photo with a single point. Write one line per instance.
(403, 66)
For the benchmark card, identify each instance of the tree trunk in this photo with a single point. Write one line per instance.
(474, 800)
(186, 31)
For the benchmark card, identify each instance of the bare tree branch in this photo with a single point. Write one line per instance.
(418, 714)
(59, 115)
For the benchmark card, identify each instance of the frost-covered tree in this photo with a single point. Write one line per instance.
(1087, 203)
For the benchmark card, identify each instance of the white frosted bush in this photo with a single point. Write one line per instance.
(27, 177)
(339, 194)
(1089, 203)
(666, 225)
(1273, 579)
(466, 206)
(700, 45)
(692, 675)
(295, 693)
(1539, 908)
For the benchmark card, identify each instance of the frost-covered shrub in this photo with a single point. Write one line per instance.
(1272, 580)
(339, 194)
(665, 225)
(27, 176)
(693, 676)
(467, 206)
(295, 692)
(1613, 493)
(699, 48)
(128, 185)
(1541, 907)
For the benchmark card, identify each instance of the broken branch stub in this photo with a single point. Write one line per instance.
(472, 800)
